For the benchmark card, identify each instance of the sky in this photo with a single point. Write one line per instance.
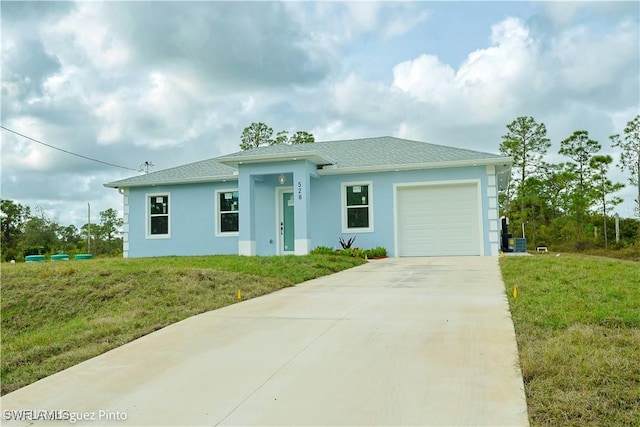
(176, 82)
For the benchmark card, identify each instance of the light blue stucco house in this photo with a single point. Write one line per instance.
(413, 198)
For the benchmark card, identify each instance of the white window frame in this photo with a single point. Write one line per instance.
(218, 223)
(345, 228)
(147, 215)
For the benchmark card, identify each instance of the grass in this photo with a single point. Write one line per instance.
(631, 253)
(57, 314)
(577, 321)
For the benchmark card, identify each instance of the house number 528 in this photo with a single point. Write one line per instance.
(299, 190)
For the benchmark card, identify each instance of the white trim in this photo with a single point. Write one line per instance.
(151, 183)
(235, 160)
(125, 222)
(478, 184)
(280, 191)
(303, 246)
(343, 207)
(329, 170)
(147, 216)
(216, 221)
(247, 247)
(495, 251)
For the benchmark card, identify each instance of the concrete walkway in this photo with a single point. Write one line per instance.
(409, 341)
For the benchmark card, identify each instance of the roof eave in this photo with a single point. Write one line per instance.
(312, 156)
(118, 184)
(504, 161)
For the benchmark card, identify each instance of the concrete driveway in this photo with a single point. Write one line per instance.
(401, 341)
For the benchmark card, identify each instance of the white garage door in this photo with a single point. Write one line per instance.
(435, 220)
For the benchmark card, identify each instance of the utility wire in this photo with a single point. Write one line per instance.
(68, 152)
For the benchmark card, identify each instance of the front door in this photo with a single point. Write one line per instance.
(286, 222)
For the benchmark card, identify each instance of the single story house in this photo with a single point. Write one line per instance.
(413, 198)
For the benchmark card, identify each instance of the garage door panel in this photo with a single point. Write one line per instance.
(438, 220)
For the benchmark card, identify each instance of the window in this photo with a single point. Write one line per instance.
(158, 224)
(227, 212)
(358, 211)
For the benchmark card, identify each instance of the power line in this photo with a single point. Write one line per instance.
(68, 152)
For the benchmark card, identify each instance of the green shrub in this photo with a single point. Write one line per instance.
(347, 252)
(583, 245)
(366, 253)
(323, 250)
(377, 252)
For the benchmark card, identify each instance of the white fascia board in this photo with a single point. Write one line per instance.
(173, 181)
(504, 161)
(312, 156)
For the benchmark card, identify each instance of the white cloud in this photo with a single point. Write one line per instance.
(488, 82)
(341, 22)
(86, 30)
(25, 154)
(175, 82)
(425, 78)
(514, 76)
(562, 12)
(587, 61)
(368, 102)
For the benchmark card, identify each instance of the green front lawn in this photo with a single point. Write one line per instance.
(577, 322)
(58, 314)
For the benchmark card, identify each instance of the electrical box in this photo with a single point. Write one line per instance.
(520, 245)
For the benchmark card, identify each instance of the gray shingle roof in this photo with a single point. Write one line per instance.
(369, 152)
(202, 171)
(354, 154)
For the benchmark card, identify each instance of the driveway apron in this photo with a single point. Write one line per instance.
(400, 341)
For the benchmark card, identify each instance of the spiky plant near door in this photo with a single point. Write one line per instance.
(348, 243)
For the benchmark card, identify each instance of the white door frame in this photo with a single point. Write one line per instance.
(280, 191)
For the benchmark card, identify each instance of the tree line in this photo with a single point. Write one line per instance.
(27, 231)
(569, 204)
(259, 134)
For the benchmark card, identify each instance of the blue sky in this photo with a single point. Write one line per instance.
(176, 82)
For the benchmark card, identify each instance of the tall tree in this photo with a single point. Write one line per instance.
(256, 135)
(259, 134)
(69, 237)
(40, 233)
(580, 149)
(281, 138)
(603, 188)
(110, 226)
(527, 143)
(302, 137)
(13, 216)
(557, 180)
(630, 154)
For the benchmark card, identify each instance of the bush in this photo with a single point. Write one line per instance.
(583, 245)
(349, 252)
(378, 252)
(322, 250)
